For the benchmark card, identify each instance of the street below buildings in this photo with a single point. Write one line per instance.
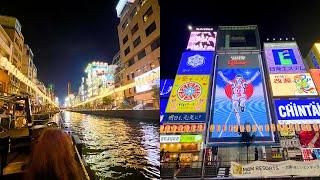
(117, 148)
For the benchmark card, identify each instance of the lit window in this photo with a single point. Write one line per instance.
(147, 14)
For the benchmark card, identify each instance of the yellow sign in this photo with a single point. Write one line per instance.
(189, 94)
(292, 85)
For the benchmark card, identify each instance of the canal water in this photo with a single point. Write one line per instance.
(117, 148)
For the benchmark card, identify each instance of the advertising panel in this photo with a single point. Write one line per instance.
(292, 85)
(189, 94)
(272, 169)
(145, 81)
(239, 98)
(186, 138)
(169, 138)
(315, 74)
(163, 105)
(202, 40)
(182, 128)
(238, 38)
(184, 117)
(196, 62)
(165, 87)
(297, 111)
(313, 57)
(283, 58)
(309, 139)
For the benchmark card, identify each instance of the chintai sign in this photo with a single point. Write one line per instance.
(297, 111)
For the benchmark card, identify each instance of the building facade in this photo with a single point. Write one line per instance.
(12, 27)
(6, 52)
(139, 40)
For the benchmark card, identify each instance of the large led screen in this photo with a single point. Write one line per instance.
(292, 85)
(189, 94)
(297, 111)
(165, 87)
(283, 58)
(196, 62)
(239, 98)
(202, 41)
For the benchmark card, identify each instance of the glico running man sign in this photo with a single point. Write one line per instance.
(239, 97)
(297, 111)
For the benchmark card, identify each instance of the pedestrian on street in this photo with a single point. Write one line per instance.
(177, 166)
(167, 158)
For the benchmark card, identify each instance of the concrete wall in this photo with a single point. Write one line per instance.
(128, 114)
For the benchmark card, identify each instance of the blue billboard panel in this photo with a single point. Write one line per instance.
(163, 105)
(184, 117)
(165, 87)
(240, 99)
(196, 62)
(297, 111)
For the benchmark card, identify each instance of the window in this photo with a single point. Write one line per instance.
(134, 89)
(155, 44)
(125, 39)
(125, 24)
(128, 77)
(133, 12)
(141, 2)
(131, 62)
(146, 15)
(134, 29)
(132, 75)
(136, 42)
(141, 54)
(150, 29)
(138, 72)
(126, 51)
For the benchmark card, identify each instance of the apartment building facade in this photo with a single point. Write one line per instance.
(139, 40)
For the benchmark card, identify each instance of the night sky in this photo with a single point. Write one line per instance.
(275, 19)
(65, 36)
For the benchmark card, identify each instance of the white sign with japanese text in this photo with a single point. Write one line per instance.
(170, 138)
(272, 169)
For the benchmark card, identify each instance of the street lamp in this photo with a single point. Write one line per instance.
(190, 27)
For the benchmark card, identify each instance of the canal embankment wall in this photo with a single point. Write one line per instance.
(127, 114)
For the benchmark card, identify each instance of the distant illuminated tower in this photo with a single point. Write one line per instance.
(69, 88)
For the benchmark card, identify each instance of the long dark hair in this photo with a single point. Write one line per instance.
(53, 157)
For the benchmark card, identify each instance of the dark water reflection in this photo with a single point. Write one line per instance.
(117, 148)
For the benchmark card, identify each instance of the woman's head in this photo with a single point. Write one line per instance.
(53, 156)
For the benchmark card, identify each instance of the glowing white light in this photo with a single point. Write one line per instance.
(190, 27)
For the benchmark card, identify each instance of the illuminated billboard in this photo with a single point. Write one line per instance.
(283, 58)
(239, 98)
(292, 85)
(238, 38)
(196, 62)
(202, 40)
(189, 94)
(297, 111)
(309, 139)
(163, 105)
(313, 58)
(145, 81)
(165, 87)
(315, 74)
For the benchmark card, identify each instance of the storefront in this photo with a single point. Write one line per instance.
(189, 146)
